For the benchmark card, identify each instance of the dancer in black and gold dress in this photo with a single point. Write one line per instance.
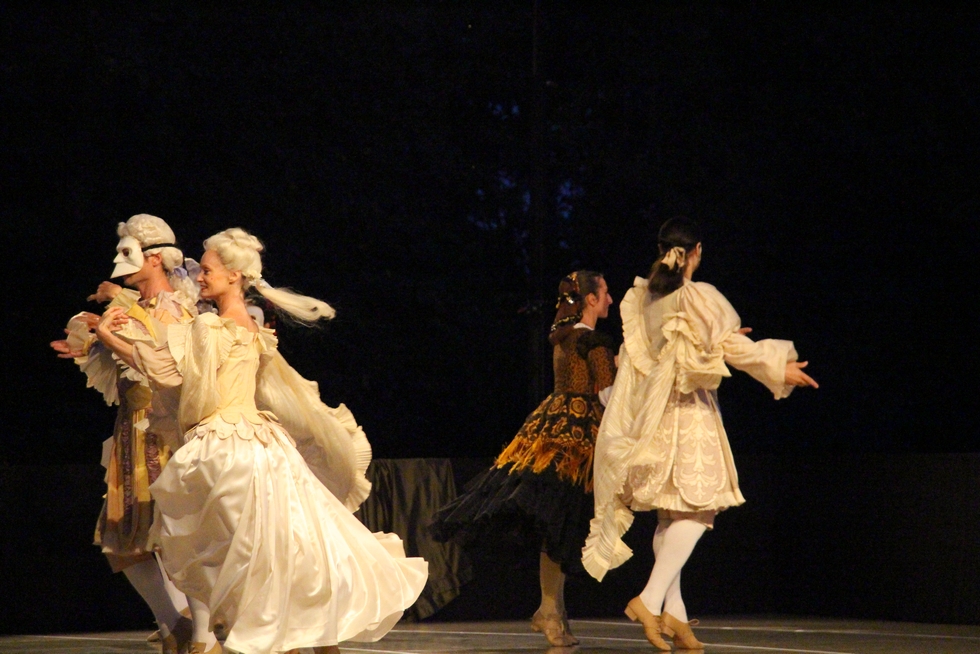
(541, 484)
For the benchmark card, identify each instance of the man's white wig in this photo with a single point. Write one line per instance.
(152, 231)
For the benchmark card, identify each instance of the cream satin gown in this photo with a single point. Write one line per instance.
(244, 524)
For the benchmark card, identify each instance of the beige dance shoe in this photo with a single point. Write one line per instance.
(155, 636)
(638, 612)
(198, 648)
(680, 631)
(179, 638)
(554, 629)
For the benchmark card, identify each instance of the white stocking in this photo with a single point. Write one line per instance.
(201, 615)
(178, 599)
(673, 602)
(146, 579)
(677, 541)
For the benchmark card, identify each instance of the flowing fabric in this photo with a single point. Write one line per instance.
(662, 444)
(246, 526)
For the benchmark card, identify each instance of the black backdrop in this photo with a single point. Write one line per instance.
(382, 151)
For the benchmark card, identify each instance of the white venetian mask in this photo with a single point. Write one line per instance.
(130, 257)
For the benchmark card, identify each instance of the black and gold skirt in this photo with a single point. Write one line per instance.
(539, 490)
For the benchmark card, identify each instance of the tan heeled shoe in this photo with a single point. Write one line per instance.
(680, 631)
(638, 612)
(155, 636)
(179, 638)
(327, 649)
(553, 628)
(198, 648)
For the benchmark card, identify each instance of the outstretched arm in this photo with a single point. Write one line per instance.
(70, 348)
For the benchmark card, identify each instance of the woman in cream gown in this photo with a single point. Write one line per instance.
(662, 445)
(255, 509)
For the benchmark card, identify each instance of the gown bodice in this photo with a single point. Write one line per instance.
(236, 377)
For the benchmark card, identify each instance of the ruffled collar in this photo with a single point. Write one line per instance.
(634, 329)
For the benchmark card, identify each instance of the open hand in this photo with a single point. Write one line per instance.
(796, 377)
(106, 292)
(64, 350)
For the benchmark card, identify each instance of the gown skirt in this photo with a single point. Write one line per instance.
(538, 494)
(245, 526)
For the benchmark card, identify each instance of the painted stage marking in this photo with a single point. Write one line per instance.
(846, 632)
(348, 648)
(619, 640)
(798, 630)
(117, 639)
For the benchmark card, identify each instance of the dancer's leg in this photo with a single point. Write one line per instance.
(146, 579)
(550, 616)
(201, 616)
(552, 586)
(679, 539)
(673, 602)
(178, 599)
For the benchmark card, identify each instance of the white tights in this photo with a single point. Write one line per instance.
(178, 599)
(146, 579)
(672, 545)
(201, 616)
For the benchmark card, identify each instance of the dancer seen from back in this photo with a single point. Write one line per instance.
(541, 483)
(253, 519)
(662, 445)
(146, 431)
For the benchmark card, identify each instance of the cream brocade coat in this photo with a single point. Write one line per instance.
(662, 444)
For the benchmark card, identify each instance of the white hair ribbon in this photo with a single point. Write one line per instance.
(675, 258)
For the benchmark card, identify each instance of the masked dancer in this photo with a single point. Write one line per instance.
(255, 509)
(541, 482)
(662, 445)
(146, 432)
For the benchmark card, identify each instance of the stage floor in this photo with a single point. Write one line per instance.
(728, 635)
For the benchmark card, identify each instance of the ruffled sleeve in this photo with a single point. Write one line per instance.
(634, 330)
(329, 439)
(697, 331)
(718, 324)
(101, 367)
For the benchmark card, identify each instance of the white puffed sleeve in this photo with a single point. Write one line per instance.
(101, 367)
(718, 322)
(198, 352)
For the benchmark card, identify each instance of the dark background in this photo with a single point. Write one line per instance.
(394, 156)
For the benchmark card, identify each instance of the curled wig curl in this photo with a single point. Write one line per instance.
(239, 250)
(151, 230)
